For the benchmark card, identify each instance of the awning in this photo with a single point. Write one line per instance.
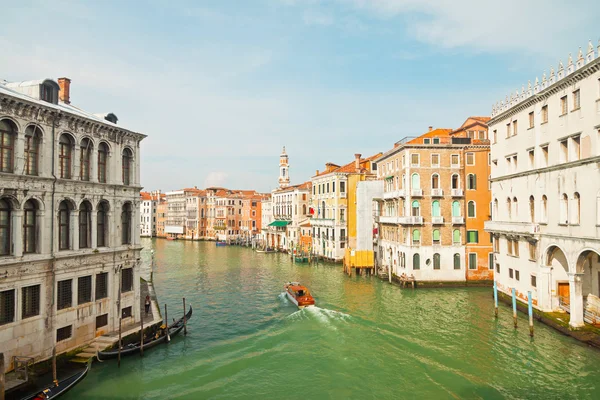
(280, 223)
(389, 177)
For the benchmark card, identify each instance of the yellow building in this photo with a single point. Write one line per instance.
(334, 206)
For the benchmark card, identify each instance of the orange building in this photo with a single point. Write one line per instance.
(161, 217)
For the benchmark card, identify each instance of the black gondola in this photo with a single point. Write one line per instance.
(133, 348)
(55, 390)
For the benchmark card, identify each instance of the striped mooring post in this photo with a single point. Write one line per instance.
(514, 304)
(530, 311)
(495, 299)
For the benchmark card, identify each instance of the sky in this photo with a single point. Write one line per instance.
(220, 86)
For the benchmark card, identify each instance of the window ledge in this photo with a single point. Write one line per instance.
(563, 224)
(530, 128)
(576, 109)
(562, 115)
(543, 123)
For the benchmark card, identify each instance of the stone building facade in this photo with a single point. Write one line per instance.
(69, 212)
(546, 190)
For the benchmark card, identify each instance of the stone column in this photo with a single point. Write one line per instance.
(19, 155)
(94, 229)
(94, 170)
(135, 223)
(43, 242)
(543, 288)
(576, 299)
(17, 239)
(75, 161)
(111, 241)
(74, 219)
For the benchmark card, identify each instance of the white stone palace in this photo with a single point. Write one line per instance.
(69, 214)
(546, 189)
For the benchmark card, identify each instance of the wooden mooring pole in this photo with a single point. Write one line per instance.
(184, 319)
(54, 377)
(141, 336)
(119, 355)
(530, 311)
(514, 304)
(495, 299)
(167, 324)
(2, 379)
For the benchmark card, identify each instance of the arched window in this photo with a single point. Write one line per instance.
(85, 159)
(33, 136)
(126, 224)
(85, 229)
(102, 225)
(456, 209)
(5, 234)
(8, 134)
(65, 150)
(509, 207)
(455, 181)
(64, 224)
(436, 236)
(531, 208)
(456, 236)
(471, 209)
(415, 209)
(515, 205)
(415, 181)
(416, 236)
(102, 162)
(436, 261)
(416, 261)
(472, 182)
(304, 209)
(126, 166)
(435, 209)
(544, 208)
(564, 209)
(435, 181)
(576, 217)
(456, 261)
(30, 227)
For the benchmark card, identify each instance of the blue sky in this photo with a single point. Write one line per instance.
(220, 86)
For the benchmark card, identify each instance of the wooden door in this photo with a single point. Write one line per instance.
(564, 292)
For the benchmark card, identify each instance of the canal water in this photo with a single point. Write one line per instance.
(366, 339)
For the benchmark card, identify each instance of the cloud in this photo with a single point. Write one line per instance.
(312, 17)
(215, 178)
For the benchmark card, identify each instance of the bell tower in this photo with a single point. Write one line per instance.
(284, 170)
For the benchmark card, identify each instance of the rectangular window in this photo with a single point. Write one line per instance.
(495, 136)
(414, 160)
(101, 320)
(531, 155)
(508, 134)
(342, 187)
(545, 156)
(514, 127)
(516, 248)
(509, 248)
(576, 148)
(497, 268)
(510, 273)
(576, 100)
(532, 248)
(84, 289)
(472, 260)
(517, 275)
(563, 105)
(470, 159)
(64, 333)
(491, 261)
(64, 295)
(126, 280)
(533, 281)
(126, 312)
(455, 160)
(544, 114)
(456, 261)
(564, 151)
(436, 140)
(435, 160)
(426, 141)
(472, 237)
(531, 120)
(7, 306)
(31, 301)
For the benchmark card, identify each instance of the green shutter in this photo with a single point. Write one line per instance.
(473, 237)
(472, 261)
(416, 261)
(436, 234)
(456, 261)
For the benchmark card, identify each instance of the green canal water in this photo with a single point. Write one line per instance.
(365, 340)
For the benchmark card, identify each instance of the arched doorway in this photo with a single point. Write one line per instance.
(588, 274)
(555, 258)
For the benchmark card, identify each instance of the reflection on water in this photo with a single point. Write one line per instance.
(364, 339)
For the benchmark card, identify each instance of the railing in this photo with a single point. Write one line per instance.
(591, 317)
(527, 228)
(458, 220)
(437, 220)
(322, 221)
(437, 192)
(343, 195)
(393, 194)
(411, 220)
(417, 192)
(457, 193)
(389, 219)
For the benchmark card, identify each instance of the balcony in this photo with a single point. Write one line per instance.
(387, 219)
(322, 222)
(437, 220)
(395, 194)
(457, 193)
(458, 220)
(416, 192)
(412, 220)
(437, 193)
(343, 195)
(522, 228)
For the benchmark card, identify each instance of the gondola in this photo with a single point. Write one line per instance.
(133, 348)
(59, 388)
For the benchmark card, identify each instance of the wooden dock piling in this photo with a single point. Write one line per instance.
(54, 376)
(184, 319)
(167, 324)
(2, 378)
(141, 337)
(514, 304)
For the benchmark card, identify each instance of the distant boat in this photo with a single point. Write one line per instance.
(59, 388)
(298, 294)
(265, 251)
(221, 243)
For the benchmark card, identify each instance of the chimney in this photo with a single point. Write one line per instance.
(317, 173)
(430, 128)
(64, 93)
(357, 162)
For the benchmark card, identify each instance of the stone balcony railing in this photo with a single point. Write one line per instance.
(416, 192)
(322, 222)
(458, 220)
(411, 220)
(521, 228)
(395, 194)
(437, 220)
(388, 219)
(457, 193)
(437, 193)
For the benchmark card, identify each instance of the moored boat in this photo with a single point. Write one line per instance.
(298, 294)
(58, 388)
(221, 243)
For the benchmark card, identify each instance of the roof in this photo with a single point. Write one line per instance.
(145, 196)
(350, 167)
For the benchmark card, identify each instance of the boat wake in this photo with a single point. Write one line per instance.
(321, 315)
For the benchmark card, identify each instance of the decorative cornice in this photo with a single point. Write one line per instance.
(557, 167)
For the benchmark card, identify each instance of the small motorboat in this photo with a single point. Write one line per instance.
(298, 294)
(221, 243)
(58, 388)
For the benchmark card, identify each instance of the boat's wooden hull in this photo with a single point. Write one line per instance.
(301, 303)
(54, 391)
